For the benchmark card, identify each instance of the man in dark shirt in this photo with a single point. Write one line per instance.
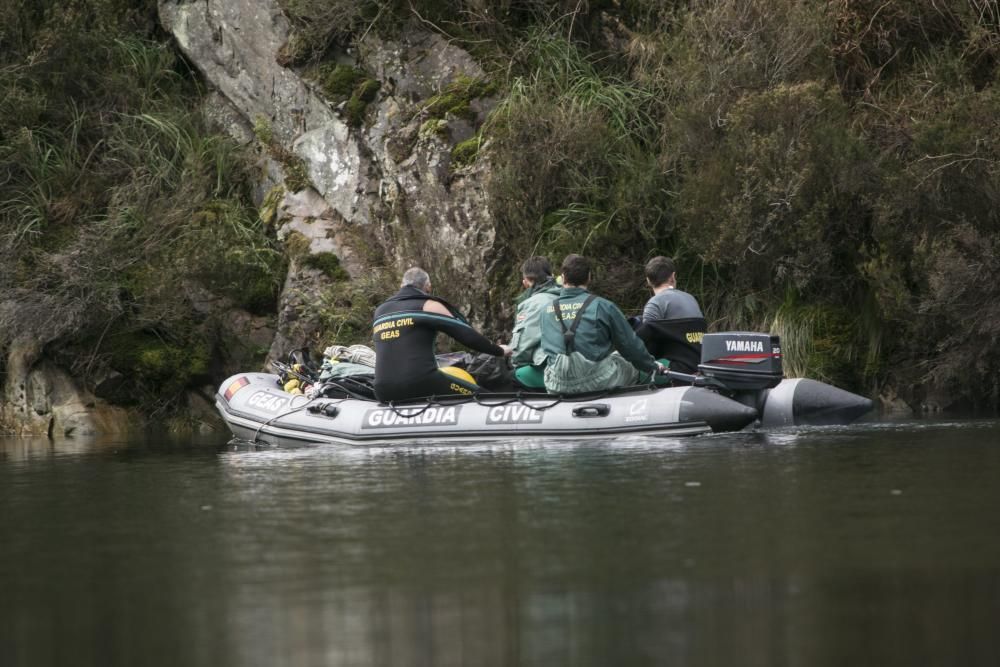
(404, 330)
(672, 322)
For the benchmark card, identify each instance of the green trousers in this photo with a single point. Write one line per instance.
(530, 377)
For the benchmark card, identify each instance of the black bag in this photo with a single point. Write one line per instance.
(489, 372)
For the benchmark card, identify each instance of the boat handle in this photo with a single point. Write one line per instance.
(328, 409)
(596, 410)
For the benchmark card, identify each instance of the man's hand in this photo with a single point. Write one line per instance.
(660, 368)
(507, 350)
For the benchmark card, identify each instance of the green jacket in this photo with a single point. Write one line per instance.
(602, 330)
(526, 340)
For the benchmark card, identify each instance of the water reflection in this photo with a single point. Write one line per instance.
(775, 548)
(28, 448)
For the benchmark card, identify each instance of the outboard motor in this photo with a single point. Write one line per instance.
(742, 361)
(747, 368)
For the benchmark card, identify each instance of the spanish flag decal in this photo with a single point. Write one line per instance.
(235, 386)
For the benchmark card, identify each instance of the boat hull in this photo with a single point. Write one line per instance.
(257, 409)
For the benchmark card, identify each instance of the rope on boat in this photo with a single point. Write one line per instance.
(290, 412)
(519, 398)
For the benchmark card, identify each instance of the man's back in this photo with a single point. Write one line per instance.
(404, 332)
(602, 329)
(672, 327)
(527, 334)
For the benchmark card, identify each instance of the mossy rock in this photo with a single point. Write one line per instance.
(297, 246)
(296, 174)
(268, 211)
(158, 368)
(339, 81)
(465, 152)
(327, 263)
(367, 89)
(262, 130)
(355, 112)
(456, 98)
(364, 93)
(433, 127)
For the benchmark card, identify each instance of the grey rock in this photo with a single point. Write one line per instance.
(380, 182)
(42, 399)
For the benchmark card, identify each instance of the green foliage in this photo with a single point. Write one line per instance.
(456, 98)
(125, 222)
(328, 264)
(338, 81)
(155, 368)
(786, 176)
(717, 133)
(345, 307)
(488, 28)
(466, 152)
(821, 341)
(350, 85)
(364, 93)
(573, 170)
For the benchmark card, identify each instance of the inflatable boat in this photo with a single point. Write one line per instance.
(739, 383)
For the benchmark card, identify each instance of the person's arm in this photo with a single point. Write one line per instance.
(626, 342)
(438, 317)
(527, 336)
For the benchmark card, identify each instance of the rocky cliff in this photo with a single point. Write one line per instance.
(380, 193)
(357, 190)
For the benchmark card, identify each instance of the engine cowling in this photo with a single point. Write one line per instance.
(741, 360)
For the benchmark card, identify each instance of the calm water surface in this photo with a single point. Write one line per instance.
(876, 544)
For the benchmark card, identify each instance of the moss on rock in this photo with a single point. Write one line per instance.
(326, 263)
(465, 152)
(339, 81)
(456, 98)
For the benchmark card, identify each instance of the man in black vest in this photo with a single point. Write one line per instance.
(404, 330)
(672, 322)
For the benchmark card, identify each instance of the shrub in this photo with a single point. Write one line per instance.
(123, 218)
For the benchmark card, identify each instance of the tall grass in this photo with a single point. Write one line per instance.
(122, 214)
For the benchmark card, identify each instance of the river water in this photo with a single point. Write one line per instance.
(875, 544)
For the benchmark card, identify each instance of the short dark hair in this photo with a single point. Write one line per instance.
(536, 269)
(575, 270)
(659, 269)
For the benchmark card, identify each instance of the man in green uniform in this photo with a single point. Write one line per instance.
(587, 342)
(540, 290)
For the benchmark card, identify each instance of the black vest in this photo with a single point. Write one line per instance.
(676, 340)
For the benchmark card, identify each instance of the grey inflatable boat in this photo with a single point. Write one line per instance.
(739, 384)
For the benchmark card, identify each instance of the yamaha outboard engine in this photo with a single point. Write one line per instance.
(742, 361)
(747, 367)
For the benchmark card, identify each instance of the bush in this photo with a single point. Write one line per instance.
(123, 218)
